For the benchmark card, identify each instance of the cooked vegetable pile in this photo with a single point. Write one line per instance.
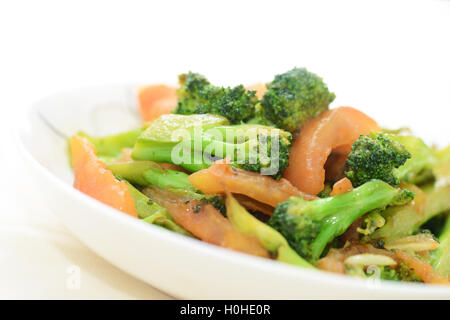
(275, 173)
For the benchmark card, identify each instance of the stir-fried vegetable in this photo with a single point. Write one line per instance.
(310, 225)
(271, 239)
(441, 257)
(156, 100)
(295, 97)
(205, 222)
(375, 156)
(262, 188)
(270, 171)
(93, 179)
(193, 142)
(336, 128)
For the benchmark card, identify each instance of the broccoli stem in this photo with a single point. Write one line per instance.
(111, 146)
(148, 173)
(441, 257)
(310, 225)
(164, 151)
(250, 147)
(197, 159)
(145, 173)
(342, 210)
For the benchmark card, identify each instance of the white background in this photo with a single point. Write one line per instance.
(390, 59)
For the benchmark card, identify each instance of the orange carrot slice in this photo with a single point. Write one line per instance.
(333, 129)
(221, 176)
(156, 100)
(423, 269)
(205, 222)
(342, 186)
(93, 179)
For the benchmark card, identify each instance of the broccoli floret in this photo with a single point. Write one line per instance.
(371, 222)
(295, 97)
(190, 91)
(375, 156)
(256, 148)
(148, 173)
(197, 96)
(249, 146)
(401, 273)
(325, 193)
(292, 99)
(310, 225)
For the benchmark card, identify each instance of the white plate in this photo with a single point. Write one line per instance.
(182, 267)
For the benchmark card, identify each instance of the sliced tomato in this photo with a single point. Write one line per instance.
(156, 100)
(205, 222)
(93, 179)
(333, 129)
(423, 269)
(254, 185)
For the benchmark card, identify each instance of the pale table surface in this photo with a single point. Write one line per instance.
(37, 253)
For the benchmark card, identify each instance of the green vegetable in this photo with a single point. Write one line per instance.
(391, 158)
(373, 221)
(433, 199)
(401, 273)
(401, 130)
(148, 173)
(197, 96)
(271, 239)
(325, 193)
(194, 142)
(419, 168)
(169, 135)
(295, 97)
(145, 173)
(292, 99)
(375, 156)
(310, 225)
(403, 221)
(442, 167)
(153, 213)
(110, 146)
(440, 259)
